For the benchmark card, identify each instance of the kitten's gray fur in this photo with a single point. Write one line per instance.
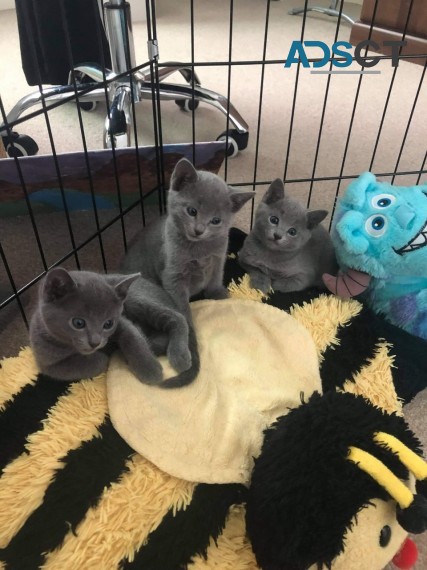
(166, 328)
(184, 252)
(66, 352)
(274, 258)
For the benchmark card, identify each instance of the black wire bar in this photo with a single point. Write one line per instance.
(261, 93)
(148, 8)
(15, 295)
(421, 171)
(156, 94)
(230, 56)
(322, 118)
(294, 98)
(65, 257)
(193, 117)
(25, 191)
(356, 99)
(79, 111)
(380, 128)
(408, 124)
(135, 128)
(108, 106)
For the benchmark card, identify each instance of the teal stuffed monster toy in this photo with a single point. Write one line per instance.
(380, 237)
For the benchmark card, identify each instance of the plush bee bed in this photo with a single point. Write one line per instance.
(75, 495)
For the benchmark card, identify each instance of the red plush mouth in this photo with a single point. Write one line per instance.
(407, 555)
(347, 285)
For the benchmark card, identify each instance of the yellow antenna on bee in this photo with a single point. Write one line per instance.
(383, 475)
(409, 458)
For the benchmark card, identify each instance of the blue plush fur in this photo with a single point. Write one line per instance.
(381, 230)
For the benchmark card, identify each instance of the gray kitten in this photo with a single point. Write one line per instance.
(78, 314)
(185, 251)
(287, 249)
(167, 329)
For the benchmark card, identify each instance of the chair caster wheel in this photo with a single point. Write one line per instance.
(187, 104)
(120, 141)
(20, 145)
(236, 141)
(86, 105)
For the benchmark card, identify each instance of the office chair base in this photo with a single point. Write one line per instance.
(88, 84)
(120, 96)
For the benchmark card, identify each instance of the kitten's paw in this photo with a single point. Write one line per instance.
(158, 343)
(260, 283)
(218, 294)
(179, 357)
(149, 372)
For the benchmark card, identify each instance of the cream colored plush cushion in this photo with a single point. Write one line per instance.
(256, 361)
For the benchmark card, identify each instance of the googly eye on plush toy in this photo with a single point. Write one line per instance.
(340, 492)
(379, 234)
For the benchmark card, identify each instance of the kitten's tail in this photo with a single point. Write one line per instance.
(186, 377)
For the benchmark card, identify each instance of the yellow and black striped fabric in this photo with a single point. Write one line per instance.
(74, 495)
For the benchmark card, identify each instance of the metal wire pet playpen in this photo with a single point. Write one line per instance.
(119, 82)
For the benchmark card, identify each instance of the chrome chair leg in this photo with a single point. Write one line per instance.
(50, 95)
(118, 125)
(171, 91)
(187, 73)
(331, 11)
(93, 71)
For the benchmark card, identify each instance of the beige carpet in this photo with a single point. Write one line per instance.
(211, 44)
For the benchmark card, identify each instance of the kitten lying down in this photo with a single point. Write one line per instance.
(287, 249)
(80, 318)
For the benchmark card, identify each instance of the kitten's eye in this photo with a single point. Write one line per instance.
(385, 536)
(108, 324)
(78, 323)
(274, 220)
(292, 232)
(216, 221)
(191, 211)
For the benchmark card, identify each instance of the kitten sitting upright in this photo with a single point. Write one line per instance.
(184, 252)
(77, 315)
(287, 249)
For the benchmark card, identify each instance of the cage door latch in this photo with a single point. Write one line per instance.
(153, 49)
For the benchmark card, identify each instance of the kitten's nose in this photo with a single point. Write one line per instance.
(94, 342)
(199, 230)
(277, 236)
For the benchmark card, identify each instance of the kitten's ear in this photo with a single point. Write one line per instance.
(314, 217)
(58, 283)
(183, 172)
(239, 198)
(275, 192)
(122, 286)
